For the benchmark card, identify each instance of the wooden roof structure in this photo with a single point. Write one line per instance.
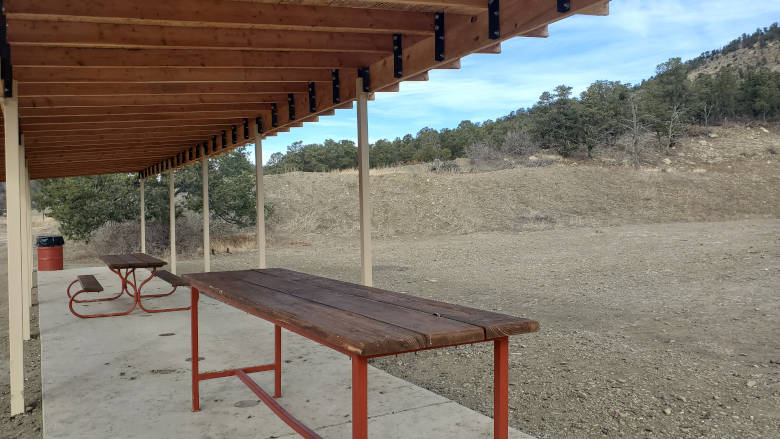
(108, 86)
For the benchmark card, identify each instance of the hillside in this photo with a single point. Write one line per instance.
(742, 59)
(731, 172)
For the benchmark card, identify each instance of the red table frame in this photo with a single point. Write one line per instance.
(359, 379)
(136, 295)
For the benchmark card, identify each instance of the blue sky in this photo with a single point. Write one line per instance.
(625, 46)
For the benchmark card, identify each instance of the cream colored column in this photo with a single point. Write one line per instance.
(365, 206)
(259, 197)
(30, 246)
(172, 214)
(143, 216)
(204, 170)
(13, 232)
(26, 268)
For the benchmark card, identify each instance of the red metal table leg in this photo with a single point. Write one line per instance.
(194, 335)
(278, 361)
(359, 397)
(501, 389)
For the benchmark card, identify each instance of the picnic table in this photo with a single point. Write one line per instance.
(360, 322)
(125, 267)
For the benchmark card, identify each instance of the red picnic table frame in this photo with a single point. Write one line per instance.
(125, 266)
(358, 321)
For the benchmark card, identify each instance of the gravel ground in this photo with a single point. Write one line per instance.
(665, 330)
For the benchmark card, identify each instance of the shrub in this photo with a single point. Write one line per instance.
(444, 166)
(482, 151)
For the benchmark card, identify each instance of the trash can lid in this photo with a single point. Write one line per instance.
(49, 241)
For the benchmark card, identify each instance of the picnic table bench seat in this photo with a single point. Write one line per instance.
(89, 283)
(171, 278)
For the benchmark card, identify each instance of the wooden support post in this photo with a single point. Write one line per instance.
(143, 217)
(26, 248)
(172, 215)
(204, 170)
(260, 197)
(363, 165)
(14, 228)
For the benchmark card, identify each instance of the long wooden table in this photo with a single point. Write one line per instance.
(358, 321)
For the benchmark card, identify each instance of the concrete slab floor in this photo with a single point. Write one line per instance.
(129, 377)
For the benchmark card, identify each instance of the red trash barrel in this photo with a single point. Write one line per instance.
(49, 252)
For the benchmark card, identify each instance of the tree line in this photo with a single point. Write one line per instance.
(566, 124)
(83, 204)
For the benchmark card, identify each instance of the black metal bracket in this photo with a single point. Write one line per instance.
(365, 74)
(178, 159)
(197, 150)
(564, 6)
(6, 69)
(274, 115)
(233, 135)
(224, 139)
(438, 32)
(291, 105)
(312, 98)
(246, 128)
(398, 56)
(259, 122)
(494, 26)
(334, 74)
(213, 143)
(191, 156)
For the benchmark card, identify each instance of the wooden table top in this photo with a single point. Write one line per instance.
(133, 260)
(354, 318)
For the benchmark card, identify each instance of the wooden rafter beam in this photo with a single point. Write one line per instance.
(108, 101)
(599, 9)
(150, 117)
(201, 130)
(103, 127)
(82, 138)
(168, 74)
(88, 145)
(162, 88)
(135, 36)
(35, 56)
(231, 14)
(245, 108)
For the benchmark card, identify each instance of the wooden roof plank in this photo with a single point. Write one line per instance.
(168, 74)
(32, 56)
(246, 108)
(163, 88)
(231, 14)
(121, 101)
(135, 36)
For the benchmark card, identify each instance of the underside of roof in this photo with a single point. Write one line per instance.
(108, 86)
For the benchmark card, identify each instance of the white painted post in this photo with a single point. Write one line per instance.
(172, 214)
(363, 165)
(204, 167)
(30, 245)
(26, 268)
(143, 216)
(259, 197)
(13, 231)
